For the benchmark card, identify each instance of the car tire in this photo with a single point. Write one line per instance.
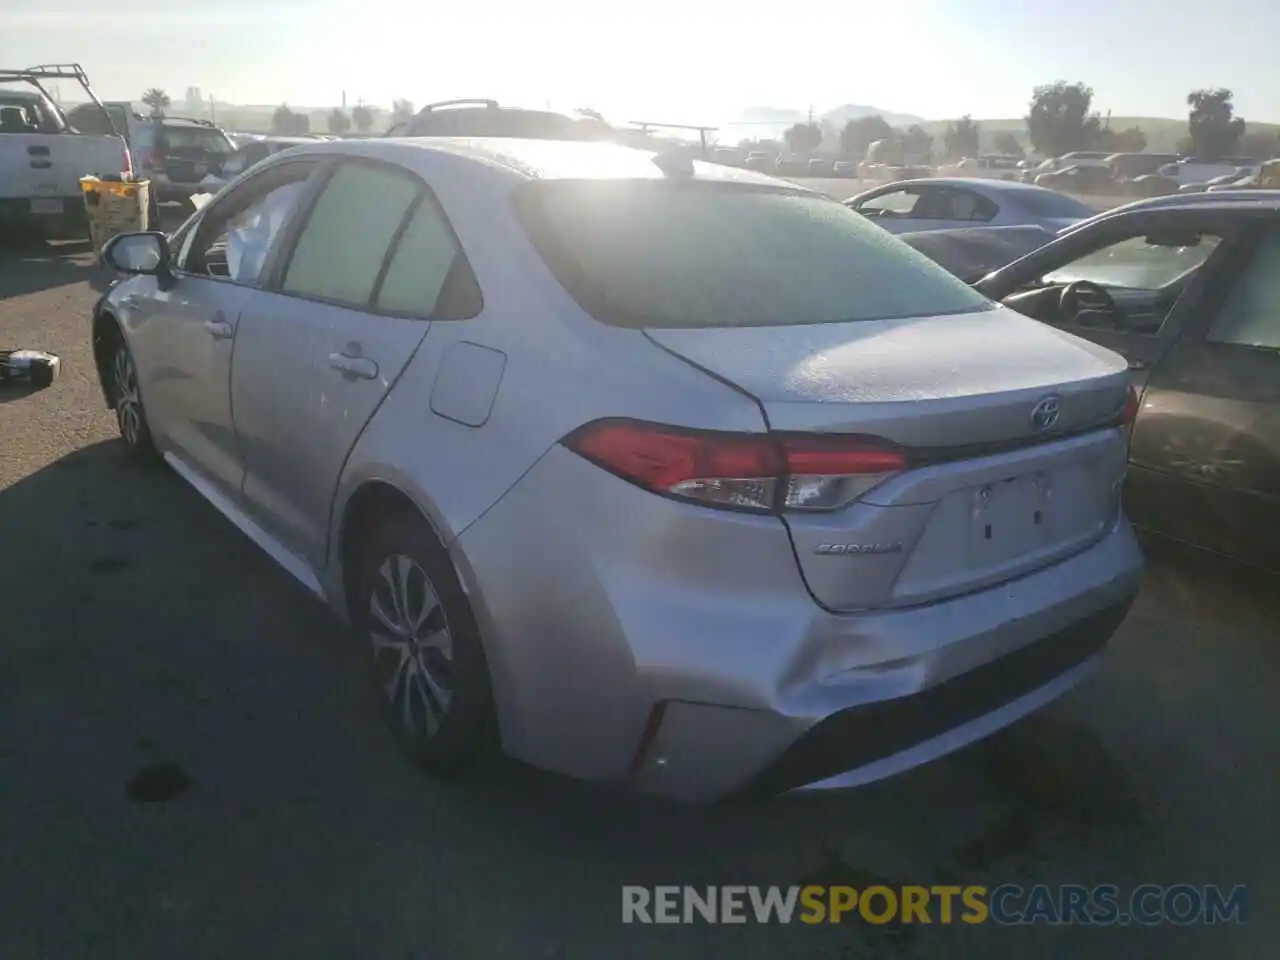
(126, 401)
(432, 680)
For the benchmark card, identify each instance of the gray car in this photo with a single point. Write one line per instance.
(951, 203)
(641, 469)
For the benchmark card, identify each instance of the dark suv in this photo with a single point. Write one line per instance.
(485, 118)
(177, 153)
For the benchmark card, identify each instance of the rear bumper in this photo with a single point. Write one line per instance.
(676, 649)
(71, 224)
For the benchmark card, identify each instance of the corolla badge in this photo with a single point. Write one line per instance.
(1045, 413)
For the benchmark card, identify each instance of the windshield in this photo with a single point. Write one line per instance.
(1051, 204)
(695, 253)
(197, 138)
(1136, 264)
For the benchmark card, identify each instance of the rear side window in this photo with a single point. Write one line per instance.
(421, 264)
(1048, 203)
(691, 253)
(197, 138)
(340, 252)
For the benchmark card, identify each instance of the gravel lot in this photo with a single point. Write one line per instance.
(148, 647)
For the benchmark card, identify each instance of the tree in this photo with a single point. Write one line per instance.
(917, 143)
(859, 134)
(362, 117)
(1130, 140)
(961, 138)
(1215, 130)
(803, 137)
(1007, 143)
(1060, 121)
(339, 122)
(285, 121)
(401, 111)
(157, 100)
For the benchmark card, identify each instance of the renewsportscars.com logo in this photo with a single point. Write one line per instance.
(1006, 905)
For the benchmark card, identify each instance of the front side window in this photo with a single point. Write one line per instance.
(233, 241)
(666, 253)
(1250, 316)
(340, 252)
(1136, 264)
(899, 203)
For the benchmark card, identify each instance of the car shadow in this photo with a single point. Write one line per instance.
(34, 269)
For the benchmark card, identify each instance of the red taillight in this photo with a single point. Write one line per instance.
(1130, 410)
(741, 471)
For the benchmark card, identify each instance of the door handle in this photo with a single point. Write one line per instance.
(219, 329)
(361, 367)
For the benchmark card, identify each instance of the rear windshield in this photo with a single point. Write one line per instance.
(1051, 204)
(691, 253)
(197, 138)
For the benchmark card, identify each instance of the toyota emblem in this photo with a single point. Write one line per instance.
(1045, 414)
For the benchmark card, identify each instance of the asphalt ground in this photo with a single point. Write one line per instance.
(191, 763)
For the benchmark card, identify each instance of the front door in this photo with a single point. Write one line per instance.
(191, 328)
(1206, 448)
(316, 356)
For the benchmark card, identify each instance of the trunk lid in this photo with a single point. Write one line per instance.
(997, 484)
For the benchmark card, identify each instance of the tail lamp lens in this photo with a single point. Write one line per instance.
(758, 472)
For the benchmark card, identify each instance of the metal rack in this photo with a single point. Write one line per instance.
(59, 71)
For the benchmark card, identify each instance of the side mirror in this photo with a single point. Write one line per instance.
(138, 253)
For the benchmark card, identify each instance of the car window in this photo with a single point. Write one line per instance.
(696, 253)
(897, 202)
(1251, 314)
(196, 139)
(1135, 264)
(233, 240)
(420, 264)
(963, 205)
(340, 251)
(1050, 203)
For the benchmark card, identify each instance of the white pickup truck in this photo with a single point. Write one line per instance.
(42, 157)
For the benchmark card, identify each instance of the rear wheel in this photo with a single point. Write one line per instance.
(424, 649)
(126, 399)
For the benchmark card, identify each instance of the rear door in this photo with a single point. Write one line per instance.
(316, 356)
(1206, 447)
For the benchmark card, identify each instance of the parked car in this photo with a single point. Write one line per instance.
(759, 161)
(790, 167)
(803, 534)
(942, 203)
(844, 168)
(1266, 178)
(1088, 179)
(487, 118)
(255, 151)
(1186, 288)
(174, 153)
(989, 166)
(1149, 185)
(1194, 170)
(1076, 158)
(1127, 166)
(43, 156)
(819, 167)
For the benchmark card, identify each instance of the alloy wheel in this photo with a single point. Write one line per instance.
(412, 646)
(128, 400)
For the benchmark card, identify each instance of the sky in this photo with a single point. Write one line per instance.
(695, 61)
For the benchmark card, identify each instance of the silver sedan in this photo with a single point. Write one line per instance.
(951, 203)
(645, 470)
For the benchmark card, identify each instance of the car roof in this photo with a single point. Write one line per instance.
(979, 183)
(1200, 200)
(549, 159)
